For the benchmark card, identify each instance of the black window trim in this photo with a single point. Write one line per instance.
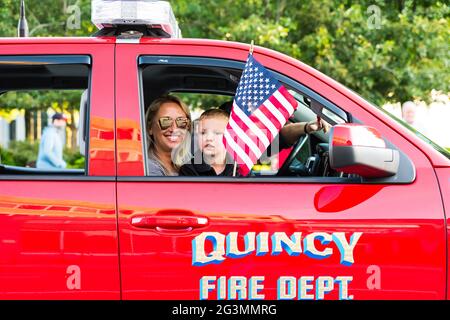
(406, 174)
(239, 65)
(318, 180)
(58, 59)
(242, 180)
(55, 177)
(46, 59)
(145, 60)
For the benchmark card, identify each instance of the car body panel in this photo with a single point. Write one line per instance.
(54, 230)
(403, 238)
(409, 252)
(443, 175)
(102, 145)
(58, 243)
(58, 235)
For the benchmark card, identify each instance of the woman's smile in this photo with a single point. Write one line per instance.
(174, 137)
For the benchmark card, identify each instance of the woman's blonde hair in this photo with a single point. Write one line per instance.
(180, 154)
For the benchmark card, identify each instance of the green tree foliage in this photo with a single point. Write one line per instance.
(24, 153)
(401, 58)
(398, 55)
(47, 17)
(20, 153)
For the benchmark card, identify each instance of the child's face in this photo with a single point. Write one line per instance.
(211, 132)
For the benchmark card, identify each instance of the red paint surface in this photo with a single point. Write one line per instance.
(404, 238)
(443, 175)
(48, 226)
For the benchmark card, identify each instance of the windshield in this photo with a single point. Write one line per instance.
(418, 133)
(436, 146)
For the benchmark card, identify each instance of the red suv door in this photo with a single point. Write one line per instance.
(58, 236)
(382, 240)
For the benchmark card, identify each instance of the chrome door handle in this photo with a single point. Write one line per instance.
(175, 222)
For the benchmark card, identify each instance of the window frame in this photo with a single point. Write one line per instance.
(237, 65)
(146, 60)
(57, 59)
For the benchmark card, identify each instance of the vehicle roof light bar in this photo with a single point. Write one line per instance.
(149, 17)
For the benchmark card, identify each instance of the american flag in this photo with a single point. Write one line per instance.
(261, 108)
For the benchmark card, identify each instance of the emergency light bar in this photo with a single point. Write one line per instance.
(128, 13)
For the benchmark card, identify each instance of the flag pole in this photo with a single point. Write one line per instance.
(252, 44)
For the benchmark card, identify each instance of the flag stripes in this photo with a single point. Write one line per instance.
(261, 108)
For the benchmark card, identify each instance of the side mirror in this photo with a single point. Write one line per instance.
(358, 149)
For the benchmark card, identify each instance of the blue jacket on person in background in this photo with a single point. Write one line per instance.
(51, 150)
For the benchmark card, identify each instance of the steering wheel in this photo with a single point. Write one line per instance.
(284, 170)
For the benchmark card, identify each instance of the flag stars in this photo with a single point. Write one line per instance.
(255, 87)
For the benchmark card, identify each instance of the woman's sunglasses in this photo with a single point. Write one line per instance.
(166, 122)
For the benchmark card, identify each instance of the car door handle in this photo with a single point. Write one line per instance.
(176, 222)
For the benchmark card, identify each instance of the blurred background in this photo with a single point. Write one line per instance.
(394, 53)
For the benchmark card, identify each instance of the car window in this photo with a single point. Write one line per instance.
(43, 103)
(206, 87)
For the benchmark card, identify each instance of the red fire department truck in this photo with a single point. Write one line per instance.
(355, 213)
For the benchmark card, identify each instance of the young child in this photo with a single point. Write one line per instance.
(211, 160)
